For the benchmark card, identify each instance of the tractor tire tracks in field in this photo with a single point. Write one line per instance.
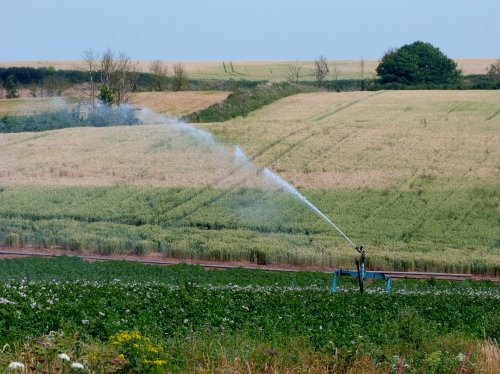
(308, 135)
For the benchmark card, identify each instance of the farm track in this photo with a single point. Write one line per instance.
(8, 254)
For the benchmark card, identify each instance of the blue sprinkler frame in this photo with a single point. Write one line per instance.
(367, 275)
(361, 274)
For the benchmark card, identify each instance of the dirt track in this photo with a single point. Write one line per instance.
(158, 259)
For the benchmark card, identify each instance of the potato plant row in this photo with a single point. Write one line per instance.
(175, 305)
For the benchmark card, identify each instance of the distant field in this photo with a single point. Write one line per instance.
(32, 105)
(177, 103)
(261, 70)
(173, 103)
(391, 139)
(412, 175)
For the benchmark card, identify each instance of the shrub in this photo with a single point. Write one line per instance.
(101, 116)
(142, 355)
(243, 101)
(418, 63)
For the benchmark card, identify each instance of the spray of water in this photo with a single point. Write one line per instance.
(244, 166)
(243, 171)
(147, 116)
(292, 190)
(240, 158)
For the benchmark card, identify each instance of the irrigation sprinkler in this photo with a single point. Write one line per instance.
(361, 274)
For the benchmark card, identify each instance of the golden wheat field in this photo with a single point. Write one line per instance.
(314, 140)
(366, 139)
(173, 103)
(177, 103)
(139, 155)
(331, 140)
(259, 70)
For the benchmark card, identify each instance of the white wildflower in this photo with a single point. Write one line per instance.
(5, 301)
(186, 320)
(460, 357)
(63, 356)
(85, 321)
(77, 365)
(15, 365)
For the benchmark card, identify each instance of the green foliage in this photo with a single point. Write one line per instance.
(26, 75)
(418, 63)
(106, 95)
(98, 117)
(481, 81)
(179, 80)
(139, 352)
(243, 101)
(493, 71)
(180, 307)
(11, 88)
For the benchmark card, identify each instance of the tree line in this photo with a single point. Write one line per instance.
(107, 77)
(416, 64)
(110, 77)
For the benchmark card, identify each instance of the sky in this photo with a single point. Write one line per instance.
(245, 30)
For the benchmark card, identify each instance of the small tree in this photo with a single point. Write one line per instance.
(11, 88)
(118, 76)
(123, 78)
(320, 69)
(159, 74)
(91, 60)
(493, 71)
(107, 68)
(418, 63)
(179, 81)
(2, 94)
(106, 96)
(294, 72)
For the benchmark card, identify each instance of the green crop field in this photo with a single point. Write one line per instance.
(124, 316)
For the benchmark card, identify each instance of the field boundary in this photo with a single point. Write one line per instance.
(6, 254)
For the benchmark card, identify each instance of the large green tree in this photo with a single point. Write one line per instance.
(418, 63)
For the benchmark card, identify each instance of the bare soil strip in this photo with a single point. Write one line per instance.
(157, 259)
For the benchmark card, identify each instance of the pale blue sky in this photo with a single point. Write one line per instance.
(245, 30)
